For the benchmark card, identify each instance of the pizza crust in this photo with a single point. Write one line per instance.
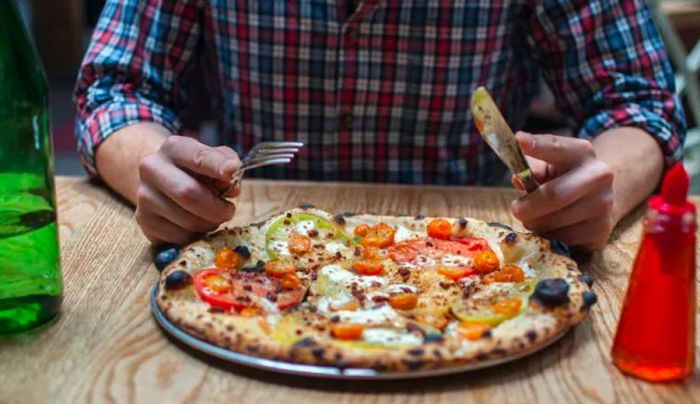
(538, 326)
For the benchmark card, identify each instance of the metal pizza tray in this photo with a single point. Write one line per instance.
(326, 372)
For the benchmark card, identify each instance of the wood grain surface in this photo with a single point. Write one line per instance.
(106, 347)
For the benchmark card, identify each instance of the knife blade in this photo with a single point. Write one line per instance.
(498, 135)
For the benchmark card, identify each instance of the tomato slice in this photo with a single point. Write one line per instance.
(408, 250)
(243, 289)
(214, 287)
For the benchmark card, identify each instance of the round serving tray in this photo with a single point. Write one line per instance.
(327, 372)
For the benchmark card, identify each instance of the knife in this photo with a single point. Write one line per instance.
(498, 135)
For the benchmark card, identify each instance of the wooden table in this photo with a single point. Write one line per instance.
(106, 346)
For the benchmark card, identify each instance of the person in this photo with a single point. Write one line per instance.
(379, 90)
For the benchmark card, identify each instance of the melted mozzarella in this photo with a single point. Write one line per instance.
(402, 288)
(381, 315)
(281, 247)
(388, 336)
(341, 276)
(528, 271)
(455, 260)
(304, 226)
(403, 234)
(334, 246)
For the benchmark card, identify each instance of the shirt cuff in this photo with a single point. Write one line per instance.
(669, 137)
(93, 128)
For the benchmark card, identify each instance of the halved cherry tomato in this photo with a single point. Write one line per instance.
(248, 287)
(403, 301)
(471, 331)
(347, 331)
(361, 230)
(264, 326)
(380, 235)
(509, 273)
(440, 228)
(455, 273)
(509, 307)
(437, 321)
(289, 281)
(372, 253)
(368, 267)
(279, 268)
(486, 261)
(299, 244)
(473, 243)
(214, 287)
(352, 305)
(227, 258)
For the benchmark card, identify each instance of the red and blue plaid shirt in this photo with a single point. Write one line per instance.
(380, 93)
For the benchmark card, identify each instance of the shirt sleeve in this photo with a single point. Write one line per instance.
(607, 67)
(133, 69)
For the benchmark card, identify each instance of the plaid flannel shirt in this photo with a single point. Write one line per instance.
(380, 93)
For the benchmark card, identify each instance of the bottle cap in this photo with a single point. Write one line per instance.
(673, 199)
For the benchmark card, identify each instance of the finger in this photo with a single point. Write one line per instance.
(159, 230)
(591, 234)
(187, 192)
(579, 211)
(213, 162)
(562, 152)
(562, 191)
(542, 171)
(154, 201)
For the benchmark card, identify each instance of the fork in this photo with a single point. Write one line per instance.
(261, 155)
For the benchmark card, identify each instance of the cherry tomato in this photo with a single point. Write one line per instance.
(289, 281)
(406, 251)
(214, 287)
(380, 235)
(486, 261)
(471, 331)
(299, 244)
(361, 230)
(227, 258)
(509, 273)
(509, 307)
(279, 268)
(372, 253)
(473, 243)
(440, 229)
(403, 301)
(437, 321)
(455, 273)
(368, 267)
(347, 331)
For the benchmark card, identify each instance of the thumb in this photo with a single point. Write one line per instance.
(562, 152)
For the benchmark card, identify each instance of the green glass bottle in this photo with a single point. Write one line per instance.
(30, 271)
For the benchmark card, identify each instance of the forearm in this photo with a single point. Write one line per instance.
(118, 157)
(637, 162)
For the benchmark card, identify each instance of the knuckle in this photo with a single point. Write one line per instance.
(585, 147)
(201, 157)
(552, 194)
(148, 165)
(186, 192)
(170, 143)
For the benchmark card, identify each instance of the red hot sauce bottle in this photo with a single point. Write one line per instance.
(655, 338)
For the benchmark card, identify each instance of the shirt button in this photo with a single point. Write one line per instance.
(352, 33)
(346, 120)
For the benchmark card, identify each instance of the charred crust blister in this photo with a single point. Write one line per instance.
(511, 238)
(419, 217)
(589, 299)
(258, 268)
(340, 219)
(433, 338)
(560, 248)
(165, 257)
(306, 206)
(463, 222)
(243, 251)
(348, 214)
(531, 335)
(177, 280)
(500, 225)
(587, 279)
(552, 292)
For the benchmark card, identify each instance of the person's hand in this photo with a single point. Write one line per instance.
(175, 201)
(574, 202)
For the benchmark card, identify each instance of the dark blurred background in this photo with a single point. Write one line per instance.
(61, 30)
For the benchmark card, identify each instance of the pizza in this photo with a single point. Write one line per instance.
(391, 293)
